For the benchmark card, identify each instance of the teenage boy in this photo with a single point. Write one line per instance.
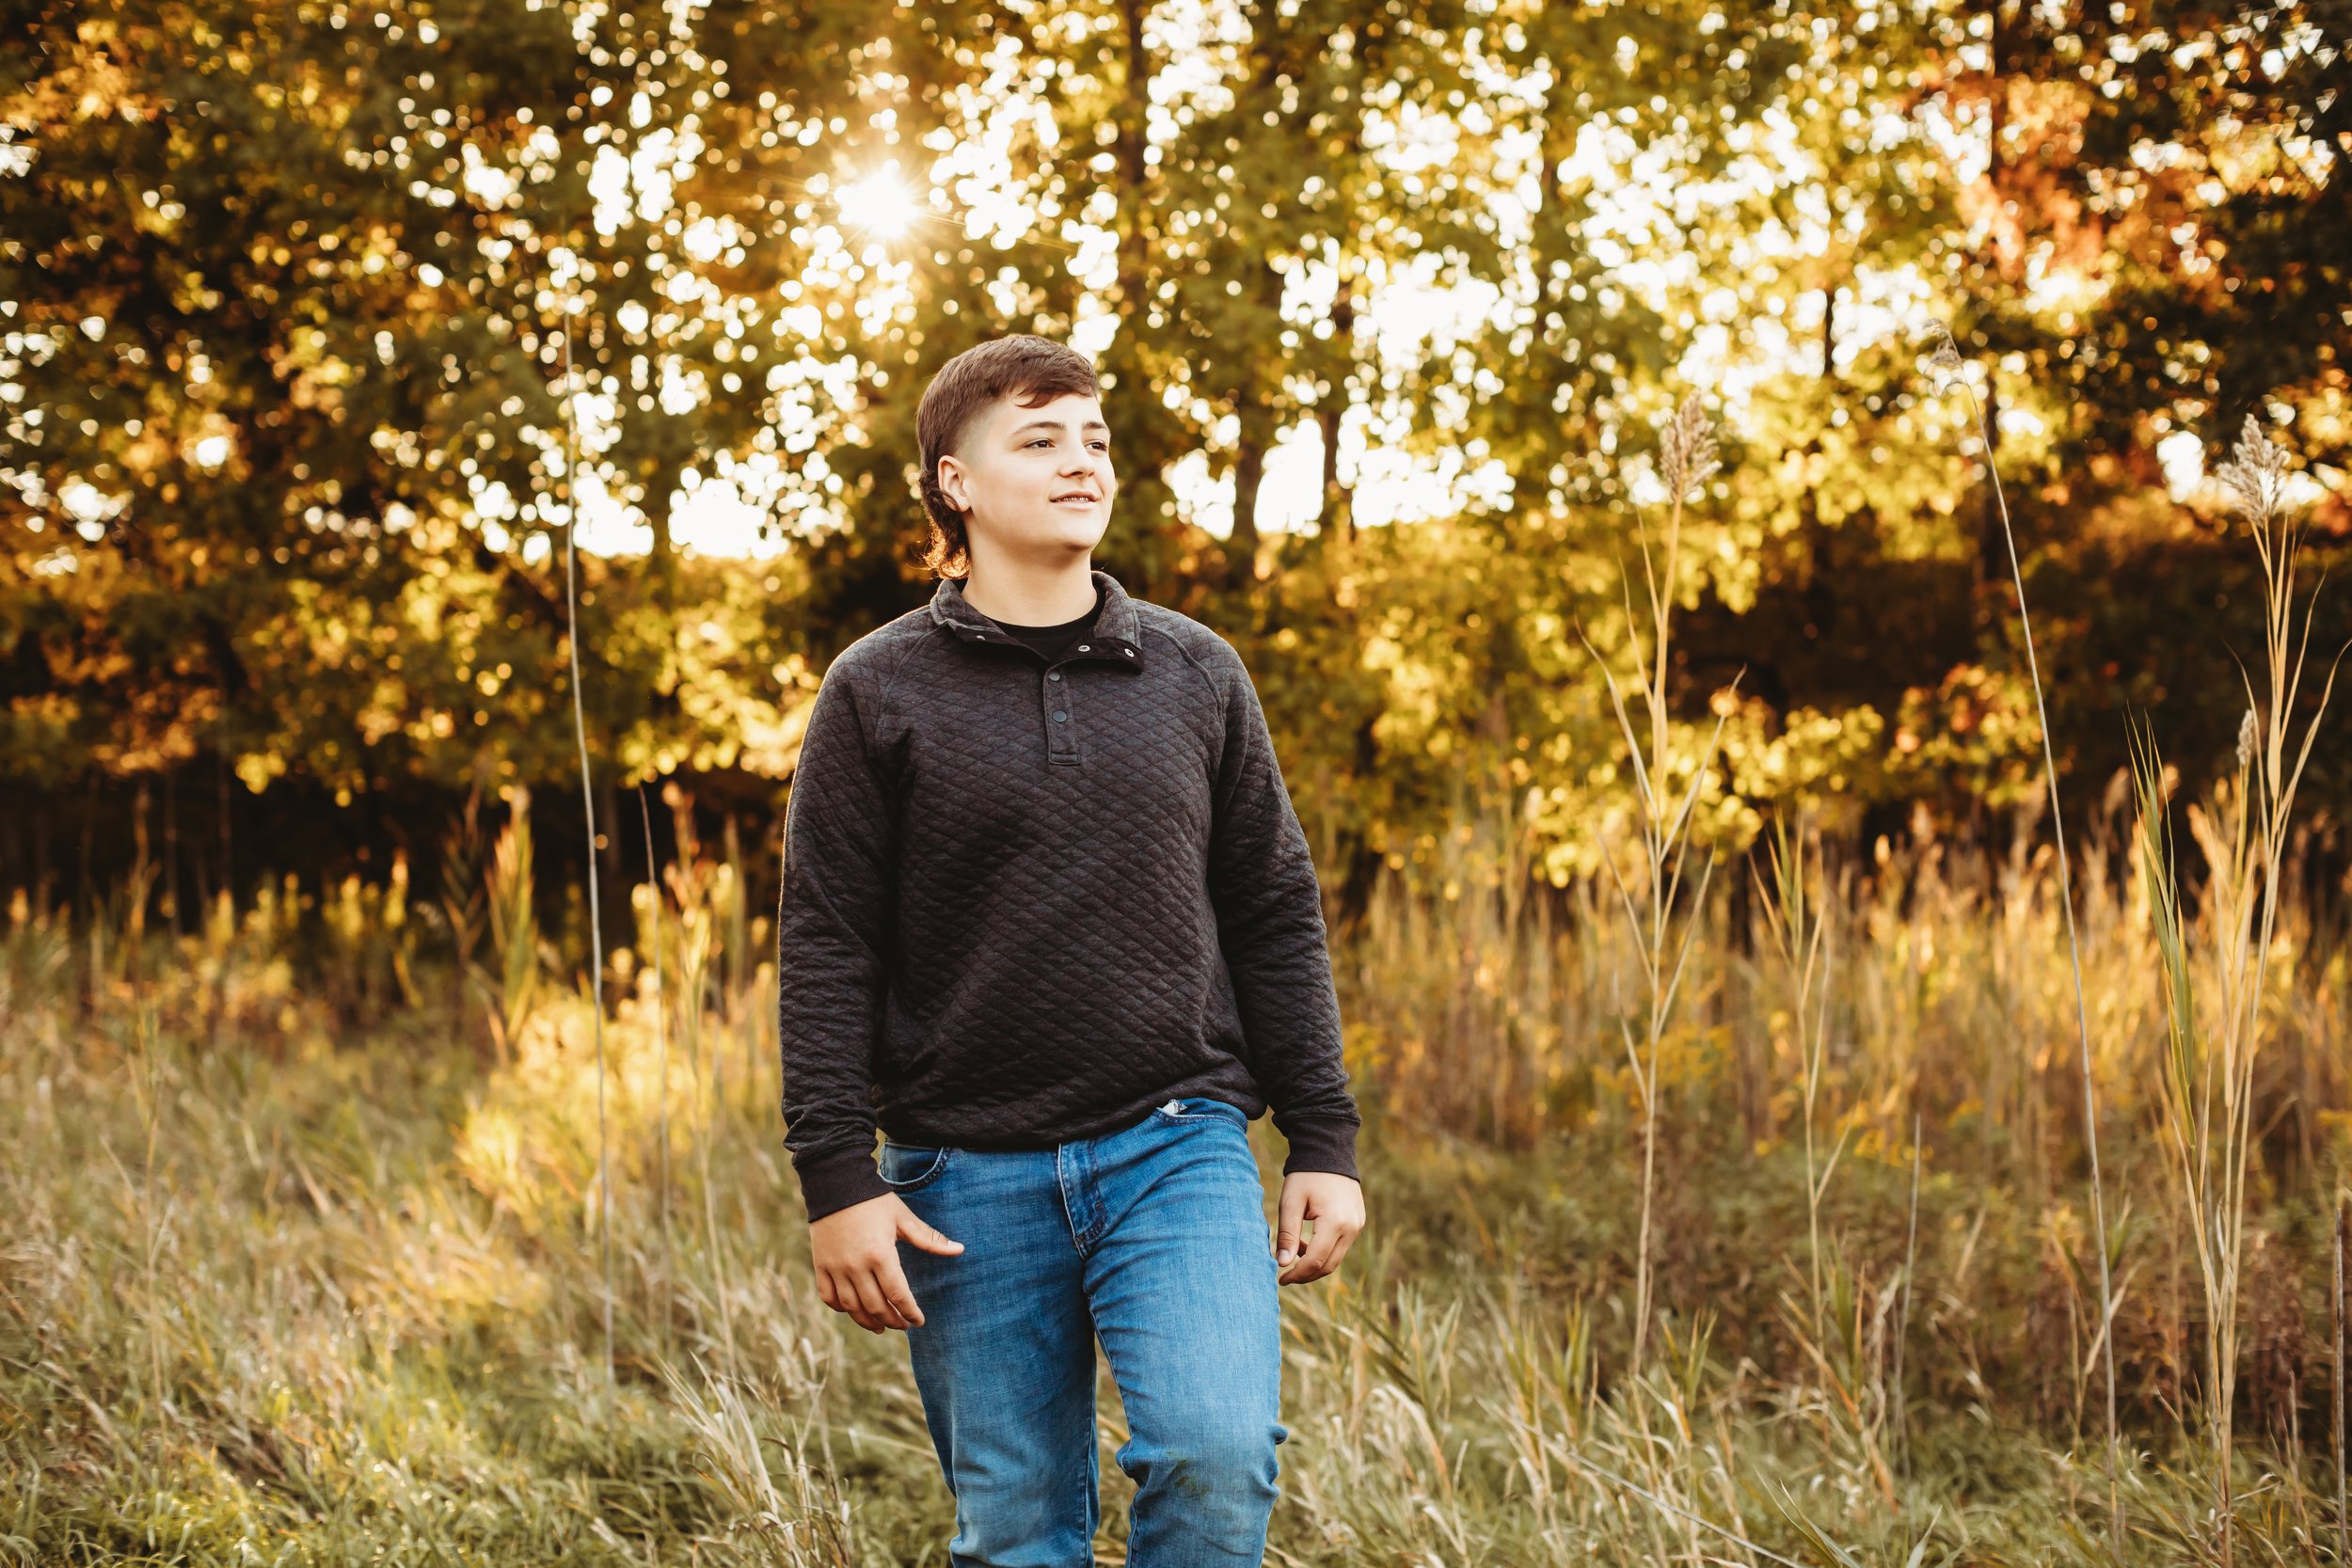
(1049, 919)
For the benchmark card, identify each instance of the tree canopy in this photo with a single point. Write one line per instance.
(321, 322)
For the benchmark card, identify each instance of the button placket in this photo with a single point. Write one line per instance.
(1058, 698)
(1056, 695)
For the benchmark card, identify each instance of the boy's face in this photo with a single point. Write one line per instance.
(1034, 480)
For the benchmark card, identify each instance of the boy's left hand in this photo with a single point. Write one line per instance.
(1336, 1205)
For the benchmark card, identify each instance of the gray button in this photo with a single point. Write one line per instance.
(1052, 674)
(1059, 716)
(1084, 646)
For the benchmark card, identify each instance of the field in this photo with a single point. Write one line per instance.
(309, 1257)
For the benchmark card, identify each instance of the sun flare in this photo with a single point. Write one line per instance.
(878, 204)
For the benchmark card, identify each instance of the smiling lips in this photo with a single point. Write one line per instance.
(1075, 495)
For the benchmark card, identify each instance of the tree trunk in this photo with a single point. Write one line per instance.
(1338, 504)
(1240, 545)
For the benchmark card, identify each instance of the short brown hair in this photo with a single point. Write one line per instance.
(1029, 370)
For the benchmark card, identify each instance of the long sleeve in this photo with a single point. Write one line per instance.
(832, 929)
(1270, 913)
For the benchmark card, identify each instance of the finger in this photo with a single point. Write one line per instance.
(914, 1229)
(876, 1300)
(1316, 1261)
(1301, 1270)
(1301, 1267)
(900, 1295)
(1343, 1237)
(1292, 1213)
(835, 1293)
(865, 1320)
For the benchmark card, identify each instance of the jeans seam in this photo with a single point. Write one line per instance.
(1079, 1155)
(1099, 1217)
(1087, 1497)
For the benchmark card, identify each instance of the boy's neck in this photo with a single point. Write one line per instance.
(1031, 594)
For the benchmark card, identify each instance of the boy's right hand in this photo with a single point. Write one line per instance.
(856, 1253)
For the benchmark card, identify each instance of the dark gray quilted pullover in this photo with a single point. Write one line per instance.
(1024, 904)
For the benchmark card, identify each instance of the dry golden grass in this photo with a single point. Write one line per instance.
(299, 1272)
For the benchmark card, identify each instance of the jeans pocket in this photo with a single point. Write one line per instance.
(1197, 1107)
(909, 1167)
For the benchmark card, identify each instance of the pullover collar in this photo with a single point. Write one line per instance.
(1117, 639)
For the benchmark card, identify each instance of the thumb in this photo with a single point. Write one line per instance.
(1293, 1211)
(914, 1228)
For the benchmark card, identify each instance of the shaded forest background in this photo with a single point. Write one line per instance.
(284, 356)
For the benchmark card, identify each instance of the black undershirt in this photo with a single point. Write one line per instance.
(1054, 642)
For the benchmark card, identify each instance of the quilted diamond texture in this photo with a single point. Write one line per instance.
(1004, 929)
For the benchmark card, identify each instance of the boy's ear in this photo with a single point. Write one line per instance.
(951, 484)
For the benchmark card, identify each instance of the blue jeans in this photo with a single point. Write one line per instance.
(1154, 1237)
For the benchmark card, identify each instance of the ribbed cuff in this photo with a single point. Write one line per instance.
(1321, 1143)
(837, 1179)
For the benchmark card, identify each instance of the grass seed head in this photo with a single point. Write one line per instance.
(2258, 477)
(1687, 457)
(1945, 361)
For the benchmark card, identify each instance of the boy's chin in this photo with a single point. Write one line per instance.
(1080, 533)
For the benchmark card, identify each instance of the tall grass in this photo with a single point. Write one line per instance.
(2209, 1089)
(588, 810)
(354, 1312)
(1793, 910)
(513, 924)
(1452, 1395)
(1667, 788)
(1947, 363)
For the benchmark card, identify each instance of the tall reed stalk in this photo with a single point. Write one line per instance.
(1799, 924)
(1798, 919)
(2335, 1365)
(1947, 363)
(2208, 1083)
(588, 807)
(661, 1045)
(1662, 941)
(513, 926)
(1902, 1322)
